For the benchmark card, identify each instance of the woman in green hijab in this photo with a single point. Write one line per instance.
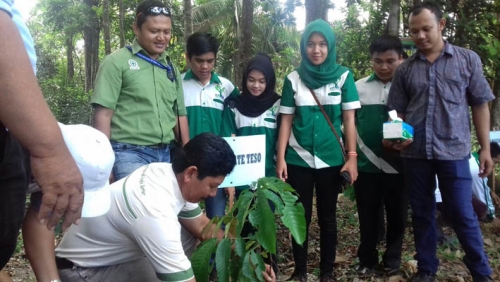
(309, 155)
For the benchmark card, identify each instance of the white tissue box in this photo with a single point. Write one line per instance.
(397, 130)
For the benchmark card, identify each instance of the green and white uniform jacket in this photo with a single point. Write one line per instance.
(372, 156)
(312, 142)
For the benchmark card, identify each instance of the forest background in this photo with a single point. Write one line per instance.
(73, 36)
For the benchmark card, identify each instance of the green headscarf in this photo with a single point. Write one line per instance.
(329, 71)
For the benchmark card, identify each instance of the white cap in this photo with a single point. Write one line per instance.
(95, 158)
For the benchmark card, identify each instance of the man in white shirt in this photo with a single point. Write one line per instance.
(139, 238)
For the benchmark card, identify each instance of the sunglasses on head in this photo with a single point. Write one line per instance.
(155, 11)
(158, 10)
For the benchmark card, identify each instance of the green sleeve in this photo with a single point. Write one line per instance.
(235, 91)
(350, 97)
(180, 93)
(228, 126)
(287, 98)
(108, 84)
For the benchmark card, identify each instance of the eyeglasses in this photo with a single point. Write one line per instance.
(155, 11)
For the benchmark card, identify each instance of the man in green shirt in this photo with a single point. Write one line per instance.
(204, 95)
(138, 97)
(380, 181)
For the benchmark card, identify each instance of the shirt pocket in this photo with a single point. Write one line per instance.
(452, 88)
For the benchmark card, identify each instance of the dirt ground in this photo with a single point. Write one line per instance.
(450, 254)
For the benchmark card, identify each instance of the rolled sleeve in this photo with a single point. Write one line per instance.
(287, 98)
(190, 210)
(478, 91)
(350, 97)
(108, 84)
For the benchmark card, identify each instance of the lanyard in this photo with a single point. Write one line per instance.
(168, 68)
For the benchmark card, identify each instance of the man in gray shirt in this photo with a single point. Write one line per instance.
(432, 91)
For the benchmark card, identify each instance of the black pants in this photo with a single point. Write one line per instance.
(373, 190)
(327, 183)
(14, 179)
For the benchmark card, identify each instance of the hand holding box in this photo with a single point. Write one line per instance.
(397, 129)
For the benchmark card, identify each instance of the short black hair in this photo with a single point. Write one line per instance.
(210, 153)
(427, 5)
(386, 43)
(141, 14)
(494, 149)
(200, 43)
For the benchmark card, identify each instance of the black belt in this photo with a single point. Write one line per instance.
(63, 263)
(158, 146)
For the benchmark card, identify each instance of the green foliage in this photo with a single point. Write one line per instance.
(200, 260)
(354, 35)
(349, 193)
(273, 32)
(19, 244)
(250, 232)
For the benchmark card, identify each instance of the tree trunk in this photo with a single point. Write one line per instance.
(70, 64)
(188, 19)
(246, 34)
(393, 20)
(121, 20)
(91, 47)
(315, 10)
(105, 26)
(237, 75)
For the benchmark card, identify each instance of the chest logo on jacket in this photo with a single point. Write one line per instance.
(271, 114)
(219, 97)
(334, 89)
(133, 64)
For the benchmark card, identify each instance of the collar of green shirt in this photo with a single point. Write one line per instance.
(214, 78)
(136, 48)
(372, 77)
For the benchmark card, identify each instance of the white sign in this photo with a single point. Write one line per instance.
(250, 154)
(495, 136)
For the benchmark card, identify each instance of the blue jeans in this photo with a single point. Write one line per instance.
(216, 206)
(130, 157)
(456, 189)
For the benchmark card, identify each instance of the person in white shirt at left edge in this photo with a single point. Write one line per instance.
(94, 157)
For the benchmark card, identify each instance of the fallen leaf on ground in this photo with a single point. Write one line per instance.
(488, 242)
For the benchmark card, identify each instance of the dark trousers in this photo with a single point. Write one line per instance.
(327, 183)
(455, 184)
(14, 177)
(373, 191)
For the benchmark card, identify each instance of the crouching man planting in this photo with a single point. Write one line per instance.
(139, 238)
